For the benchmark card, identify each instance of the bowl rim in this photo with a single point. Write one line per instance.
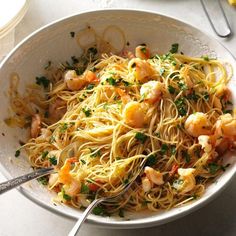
(146, 222)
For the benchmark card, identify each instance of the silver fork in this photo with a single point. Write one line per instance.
(97, 201)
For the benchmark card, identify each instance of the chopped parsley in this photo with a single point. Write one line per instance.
(213, 168)
(164, 149)
(63, 127)
(66, 196)
(87, 112)
(141, 137)
(186, 156)
(84, 188)
(17, 153)
(92, 50)
(171, 89)
(98, 210)
(181, 106)
(193, 96)
(95, 153)
(43, 180)
(144, 50)
(205, 58)
(72, 34)
(53, 160)
(162, 71)
(206, 96)
(126, 83)
(43, 81)
(174, 48)
(90, 86)
(74, 59)
(111, 81)
(182, 86)
(151, 160)
(83, 161)
(173, 150)
(44, 155)
(47, 66)
(121, 213)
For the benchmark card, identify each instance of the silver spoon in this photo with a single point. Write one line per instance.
(97, 201)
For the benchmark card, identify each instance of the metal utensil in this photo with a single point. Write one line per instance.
(217, 18)
(13, 183)
(97, 201)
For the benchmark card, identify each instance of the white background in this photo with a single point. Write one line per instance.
(19, 216)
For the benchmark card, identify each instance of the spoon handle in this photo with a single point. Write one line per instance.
(83, 217)
(13, 183)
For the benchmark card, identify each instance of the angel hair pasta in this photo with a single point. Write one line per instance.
(172, 110)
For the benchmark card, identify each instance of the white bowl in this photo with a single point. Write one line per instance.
(53, 42)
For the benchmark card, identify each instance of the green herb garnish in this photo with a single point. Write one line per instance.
(90, 86)
(53, 160)
(72, 34)
(186, 156)
(182, 86)
(173, 150)
(95, 153)
(111, 81)
(121, 213)
(213, 168)
(164, 149)
(42, 81)
(17, 153)
(205, 58)
(43, 180)
(63, 127)
(141, 137)
(84, 188)
(87, 112)
(44, 155)
(98, 210)
(174, 48)
(47, 66)
(181, 106)
(151, 160)
(171, 89)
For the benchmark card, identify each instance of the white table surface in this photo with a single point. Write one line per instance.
(19, 216)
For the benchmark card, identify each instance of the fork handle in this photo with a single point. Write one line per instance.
(13, 183)
(83, 217)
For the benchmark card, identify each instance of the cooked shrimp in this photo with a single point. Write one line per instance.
(45, 134)
(152, 91)
(125, 98)
(222, 91)
(227, 125)
(72, 188)
(205, 142)
(57, 109)
(186, 181)
(197, 124)
(142, 69)
(154, 176)
(134, 115)
(146, 184)
(64, 173)
(35, 126)
(73, 81)
(142, 52)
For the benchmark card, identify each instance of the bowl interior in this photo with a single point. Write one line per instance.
(55, 43)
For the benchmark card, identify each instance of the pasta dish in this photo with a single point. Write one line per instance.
(117, 110)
